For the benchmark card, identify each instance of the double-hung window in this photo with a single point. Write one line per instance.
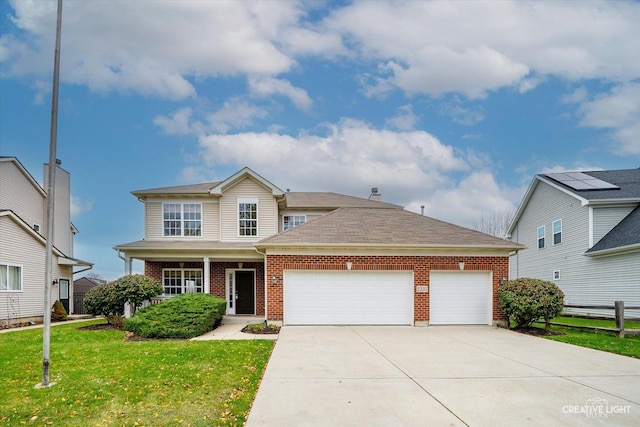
(10, 278)
(557, 232)
(247, 217)
(182, 219)
(290, 221)
(541, 233)
(181, 281)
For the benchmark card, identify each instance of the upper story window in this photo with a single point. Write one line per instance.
(10, 278)
(182, 219)
(290, 221)
(247, 217)
(557, 232)
(541, 233)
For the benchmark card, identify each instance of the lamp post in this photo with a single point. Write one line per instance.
(46, 330)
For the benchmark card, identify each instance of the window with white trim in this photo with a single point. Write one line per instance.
(176, 281)
(556, 275)
(182, 219)
(290, 221)
(10, 278)
(557, 232)
(541, 233)
(247, 217)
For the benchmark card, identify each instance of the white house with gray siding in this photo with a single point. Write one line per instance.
(582, 231)
(23, 204)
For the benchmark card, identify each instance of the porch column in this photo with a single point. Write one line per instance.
(207, 281)
(127, 265)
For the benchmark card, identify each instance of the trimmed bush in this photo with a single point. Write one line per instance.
(526, 300)
(109, 300)
(58, 312)
(183, 316)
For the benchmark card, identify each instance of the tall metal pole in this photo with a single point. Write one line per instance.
(53, 136)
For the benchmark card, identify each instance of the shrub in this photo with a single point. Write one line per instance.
(526, 300)
(109, 300)
(58, 312)
(183, 316)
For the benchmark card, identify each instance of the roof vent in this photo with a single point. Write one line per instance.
(375, 195)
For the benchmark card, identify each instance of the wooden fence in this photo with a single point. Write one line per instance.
(618, 309)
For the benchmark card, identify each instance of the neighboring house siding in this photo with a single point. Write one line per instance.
(29, 254)
(62, 209)
(18, 194)
(605, 218)
(154, 220)
(267, 211)
(584, 280)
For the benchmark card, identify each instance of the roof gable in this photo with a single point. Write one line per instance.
(384, 228)
(245, 172)
(25, 172)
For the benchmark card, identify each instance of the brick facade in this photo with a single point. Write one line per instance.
(420, 265)
(217, 279)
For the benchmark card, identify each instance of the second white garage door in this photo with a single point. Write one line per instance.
(348, 298)
(460, 298)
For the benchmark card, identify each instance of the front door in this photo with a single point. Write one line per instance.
(241, 291)
(245, 292)
(64, 293)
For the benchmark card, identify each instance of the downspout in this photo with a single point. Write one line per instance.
(264, 254)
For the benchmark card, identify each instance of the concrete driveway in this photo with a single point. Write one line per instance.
(441, 376)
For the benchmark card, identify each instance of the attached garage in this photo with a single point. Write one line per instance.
(460, 298)
(348, 297)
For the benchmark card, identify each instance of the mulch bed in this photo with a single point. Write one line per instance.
(538, 332)
(261, 331)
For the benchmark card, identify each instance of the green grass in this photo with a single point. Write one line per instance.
(103, 380)
(600, 340)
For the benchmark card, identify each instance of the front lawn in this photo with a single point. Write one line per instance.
(600, 340)
(103, 380)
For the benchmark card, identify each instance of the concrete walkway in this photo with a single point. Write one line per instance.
(441, 376)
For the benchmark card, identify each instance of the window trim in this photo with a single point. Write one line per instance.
(183, 219)
(556, 275)
(7, 265)
(248, 200)
(182, 287)
(553, 232)
(543, 238)
(304, 216)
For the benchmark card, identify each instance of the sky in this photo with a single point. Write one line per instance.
(453, 106)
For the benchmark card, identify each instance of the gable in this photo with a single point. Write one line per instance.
(241, 176)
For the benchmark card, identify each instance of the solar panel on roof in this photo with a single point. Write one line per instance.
(580, 181)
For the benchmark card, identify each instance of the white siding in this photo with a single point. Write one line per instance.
(18, 194)
(583, 279)
(29, 254)
(605, 218)
(267, 211)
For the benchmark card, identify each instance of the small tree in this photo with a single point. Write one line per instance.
(525, 300)
(58, 312)
(109, 300)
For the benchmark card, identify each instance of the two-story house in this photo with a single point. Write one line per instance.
(582, 231)
(317, 258)
(23, 206)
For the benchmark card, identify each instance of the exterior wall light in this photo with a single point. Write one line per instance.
(461, 265)
(349, 265)
(503, 280)
(274, 279)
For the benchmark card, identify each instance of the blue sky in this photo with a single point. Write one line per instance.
(450, 105)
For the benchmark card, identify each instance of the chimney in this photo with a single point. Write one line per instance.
(422, 210)
(375, 195)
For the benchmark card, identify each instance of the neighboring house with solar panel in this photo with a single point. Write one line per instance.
(582, 231)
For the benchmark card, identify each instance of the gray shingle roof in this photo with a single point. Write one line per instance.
(625, 233)
(627, 179)
(312, 200)
(202, 188)
(384, 227)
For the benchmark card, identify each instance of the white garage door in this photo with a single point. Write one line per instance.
(460, 298)
(348, 298)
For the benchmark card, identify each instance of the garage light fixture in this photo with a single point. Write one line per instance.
(503, 280)
(274, 279)
(349, 265)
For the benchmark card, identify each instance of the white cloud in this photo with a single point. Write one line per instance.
(80, 206)
(577, 96)
(462, 115)
(405, 119)
(177, 123)
(268, 86)
(619, 111)
(236, 113)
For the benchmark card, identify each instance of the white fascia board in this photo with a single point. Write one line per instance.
(614, 251)
(219, 189)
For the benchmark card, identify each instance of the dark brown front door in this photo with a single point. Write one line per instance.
(245, 291)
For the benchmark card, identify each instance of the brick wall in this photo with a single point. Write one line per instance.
(420, 265)
(217, 277)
